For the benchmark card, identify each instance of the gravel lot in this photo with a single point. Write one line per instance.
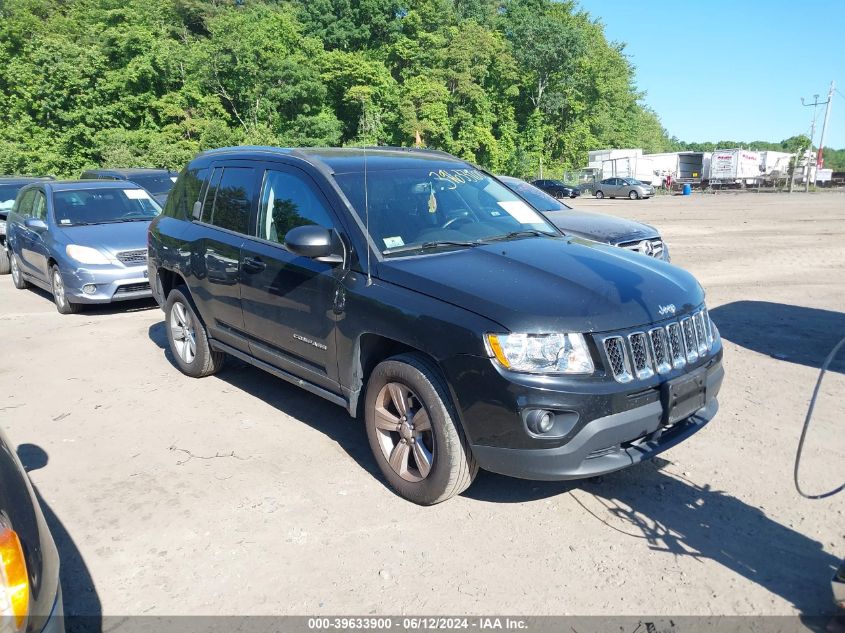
(243, 494)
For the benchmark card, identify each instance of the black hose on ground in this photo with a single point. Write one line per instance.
(825, 365)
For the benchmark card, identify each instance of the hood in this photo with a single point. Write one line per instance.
(110, 238)
(601, 228)
(550, 284)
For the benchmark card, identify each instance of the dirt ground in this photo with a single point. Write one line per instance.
(243, 494)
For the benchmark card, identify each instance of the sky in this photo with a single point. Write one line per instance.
(734, 69)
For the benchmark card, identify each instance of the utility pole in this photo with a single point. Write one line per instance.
(820, 160)
(816, 103)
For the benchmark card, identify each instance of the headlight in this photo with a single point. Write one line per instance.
(86, 255)
(14, 582)
(541, 353)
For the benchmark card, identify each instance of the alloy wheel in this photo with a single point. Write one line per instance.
(59, 289)
(16, 271)
(183, 333)
(404, 432)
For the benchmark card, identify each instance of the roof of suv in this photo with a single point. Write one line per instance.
(128, 173)
(346, 159)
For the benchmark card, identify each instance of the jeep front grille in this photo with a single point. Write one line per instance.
(614, 347)
(639, 355)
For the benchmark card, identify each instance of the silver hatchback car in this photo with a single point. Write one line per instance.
(83, 241)
(623, 188)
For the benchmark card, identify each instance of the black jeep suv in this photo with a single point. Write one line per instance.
(423, 295)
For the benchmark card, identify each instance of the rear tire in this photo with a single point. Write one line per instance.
(17, 275)
(414, 434)
(633, 195)
(5, 264)
(63, 304)
(599, 194)
(188, 338)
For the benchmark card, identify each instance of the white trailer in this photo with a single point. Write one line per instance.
(734, 166)
(775, 163)
(683, 167)
(639, 167)
(597, 157)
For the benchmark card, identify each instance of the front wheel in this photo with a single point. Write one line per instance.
(633, 195)
(417, 441)
(599, 194)
(188, 338)
(5, 264)
(63, 304)
(17, 275)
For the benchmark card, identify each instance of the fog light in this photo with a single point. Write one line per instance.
(89, 289)
(540, 421)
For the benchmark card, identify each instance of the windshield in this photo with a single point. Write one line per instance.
(8, 193)
(156, 185)
(102, 206)
(537, 198)
(419, 209)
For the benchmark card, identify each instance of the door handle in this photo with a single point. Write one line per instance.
(253, 265)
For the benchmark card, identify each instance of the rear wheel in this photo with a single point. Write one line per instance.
(4, 261)
(63, 304)
(188, 338)
(414, 434)
(633, 195)
(17, 276)
(599, 194)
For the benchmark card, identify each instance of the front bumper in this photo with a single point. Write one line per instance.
(113, 283)
(607, 425)
(56, 621)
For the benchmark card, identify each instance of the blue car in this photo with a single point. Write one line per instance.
(83, 241)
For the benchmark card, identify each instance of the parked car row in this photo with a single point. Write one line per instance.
(470, 321)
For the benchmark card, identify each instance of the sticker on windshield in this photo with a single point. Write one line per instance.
(64, 221)
(519, 211)
(393, 242)
(136, 194)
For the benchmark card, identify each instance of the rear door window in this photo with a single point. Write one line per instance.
(233, 199)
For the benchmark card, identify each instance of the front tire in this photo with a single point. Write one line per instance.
(599, 194)
(63, 304)
(633, 195)
(188, 338)
(414, 433)
(17, 275)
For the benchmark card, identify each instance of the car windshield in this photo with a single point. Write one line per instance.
(103, 206)
(156, 185)
(537, 198)
(415, 210)
(8, 193)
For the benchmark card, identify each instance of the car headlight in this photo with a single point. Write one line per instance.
(14, 581)
(558, 353)
(85, 254)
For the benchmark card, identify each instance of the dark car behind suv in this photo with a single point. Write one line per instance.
(423, 295)
(557, 188)
(158, 182)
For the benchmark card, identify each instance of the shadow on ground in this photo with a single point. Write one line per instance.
(83, 611)
(678, 517)
(330, 419)
(792, 333)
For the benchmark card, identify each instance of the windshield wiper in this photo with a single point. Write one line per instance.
(127, 220)
(428, 246)
(516, 234)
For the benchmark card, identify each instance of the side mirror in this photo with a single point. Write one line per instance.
(315, 242)
(35, 224)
